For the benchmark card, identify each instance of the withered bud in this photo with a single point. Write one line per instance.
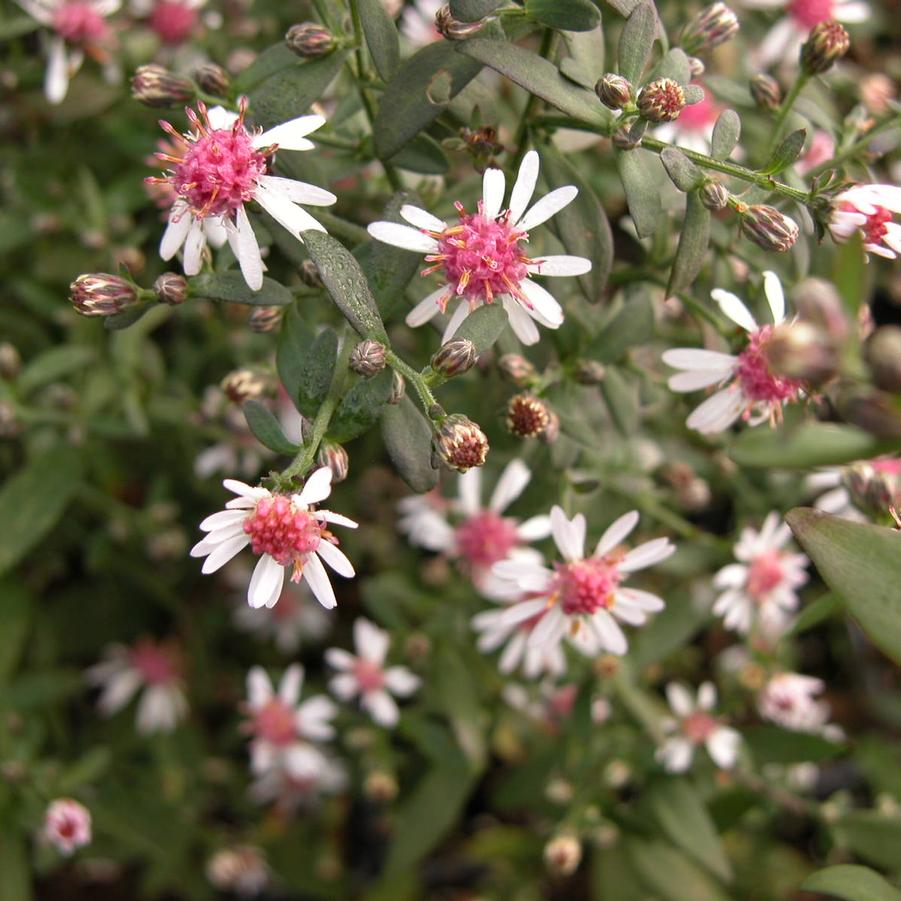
(171, 288)
(714, 196)
(818, 302)
(563, 854)
(712, 26)
(460, 443)
(156, 86)
(10, 361)
(516, 369)
(335, 458)
(661, 100)
(527, 416)
(827, 43)
(213, 79)
(309, 274)
(613, 90)
(398, 388)
(459, 355)
(368, 358)
(800, 350)
(265, 319)
(310, 40)
(883, 354)
(766, 91)
(768, 228)
(101, 294)
(590, 372)
(696, 67)
(453, 29)
(380, 786)
(242, 385)
(241, 870)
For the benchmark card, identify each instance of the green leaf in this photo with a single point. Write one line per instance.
(129, 317)
(683, 173)
(484, 326)
(35, 498)
(674, 65)
(621, 398)
(786, 153)
(565, 15)
(726, 132)
(872, 835)
(539, 77)
(637, 41)
(315, 376)
(630, 326)
(267, 429)
(640, 172)
(771, 744)
(381, 37)
(230, 287)
(423, 155)
(361, 407)
(294, 342)
(17, 27)
(692, 250)
(669, 874)
(88, 768)
(586, 56)
(824, 607)
(54, 364)
(272, 60)
(473, 10)
(684, 819)
(15, 617)
(408, 440)
(860, 562)
(455, 684)
(852, 883)
(15, 883)
(346, 284)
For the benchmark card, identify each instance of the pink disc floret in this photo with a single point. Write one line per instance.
(276, 527)
(587, 586)
(173, 22)
(765, 574)
(157, 663)
(698, 726)
(758, 382)
(275, 722)
(370, 676)
(486, 539)
(80, 23)
(808, 13)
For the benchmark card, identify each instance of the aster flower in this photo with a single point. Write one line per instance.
(482, 257)
(284, 531)
(298, 781)
(365, 675)
(550, 704)
(80, 28)
(173, 21)
(417, 22)
(150, 668)
(67, 825)
(790, 700)
(583, 597)
(694, 127)
(480, 536)
(869, 210)
(219, 167)
(282, 729)
(694, 725)
(753, 392)
(762, 588)
(241, 869)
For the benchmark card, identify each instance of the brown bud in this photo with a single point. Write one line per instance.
(827, 42)
(662, 100)
(265, 319)
(712, 26)
(171, 288)
(516, 369)
(309, 274)
(800, 350)
(613, 90)
(768, 228)
(213, 79)
(368, 358)
(714, 196)
(242, 385)
(562, 854)
(335, 458)
(398, 388)
(590, 372)
(10, 361)
(453, 29)
(883, 354)
(527, 416)
(459, 355)
(102, 294)
(460, 443)
(156, 86)
(310, 40)
(766, 92)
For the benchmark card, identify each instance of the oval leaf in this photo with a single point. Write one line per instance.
(640, 173)
(484, 326)
(360, 408)
(473, 10)
(381, 37)
(565, 15)
(692, 250)
(637, 41)
(294, 342)
(726, 132)
(852, 883)
(786, 153)
(315, 374)
(408, 440)
(230, 287)
(683, 173)
(266, 428)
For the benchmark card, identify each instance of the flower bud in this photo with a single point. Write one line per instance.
(156, 86)
(766, 92)
(310, 40)
(240, 870)
(614, 91)
(398, 388)
(552, 432)
(380, 786)
(101, 294)
(265, 319)
(590, 372)
(368, 358)
(453, 29)
(335, 458)
(827, 42)
(309, 274)
(454, 358)
(818, 302)
(516, 369)
(171, 288)
(662, 100)
(563, 854)
(527, 416)
(800, 350)
(874, 485)
(213, 79)
(460, 443)
(883, 354)
(768, 228)
(242, 385)
(712, 26)
(714, 196)
(10, 361)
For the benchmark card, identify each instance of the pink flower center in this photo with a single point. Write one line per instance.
(560, 704)
(486, 538)
(757, 382)
(277, 528)
(80, 23)
(67, 827)
(369, 675)
(699, 116)
(587, 585)
(286, 607)
(173, 22)
(808, 13)
(157, 664)
(764, 574)
(888, 465)
(697, 727)
(876, 226)
(275, 722)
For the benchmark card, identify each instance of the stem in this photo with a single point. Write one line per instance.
(426, 398)
(784, 110)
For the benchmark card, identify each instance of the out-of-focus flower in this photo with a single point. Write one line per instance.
(827, 43)
(417, 24)
(562, 854)
(284, 531)
(583, 597)
(67, 825)
(219, 166)
(483, 256)
(550, 704)
(365, 675)
(790, 700)
(299, 781)
(694, 127)
(695, 725)
(766, 91)
(174, 21)
(753, 392)
(869, 210)
(152, 668)
(712, 26)
(240, 869)
(821, 150)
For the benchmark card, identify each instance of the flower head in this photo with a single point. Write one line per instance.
(482, 257)
(102, 294)
(285, 531)
(298, 780)
(869, 210)
(693, 128)
(790, 700)
(67, 825)
(240, 869)
(174, 21)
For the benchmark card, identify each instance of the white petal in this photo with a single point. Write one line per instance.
(722, 746)
(679, 699)
(569, 535)
(336, 559)
(521, 322)
(370, 641)
(180, 221)
(549, 629)
(421, 218)
(493, 187)
(259, 687)
(248, 251)
(291, 135)
(772, 287)
(644, 600)
(402, 236)
(265, 583)
(339, 659)
(335, 518)
(215, 231)
(616, 533)
(693, 381)
(289, 687)
(455, 321)
(298, 191)
(691, 359)
(344, 686)
(676, 754)
(529, 578)
(520, 612)
(524, 187)
(222, 519)
(717, 412)
(610, 633)
(317, 487)
(224, 552)
(242, 489)
(318, 580)
(560, 265)
(535, 528)
(548, 206)
(290, 216)
(647, 554)
(510, 485)
(734, 309)
(427, 308)
(56, 78)
(382, 707)
(707, 696)
(544, 307)
(194, 244)
(400, 681)
(469, 488)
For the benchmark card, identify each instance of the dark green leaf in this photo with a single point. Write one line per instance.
(17, 27)
(692, 250)
(267, 429)
(361, 407)
(860, 562)
(565, 15)
(805, 446)
(631, 326)
(726, 132)
(640, 173)
(586, 57)
(669, 874)
(345, 282)
(381, 37)
(294, 342)
(824, 607)
(683, 173)
(314, 378)
(621, 398)
(473, 10)
(15, 616)
(872, 835)
(89, 768)
(54, 364)
(15, 883)
(484, 326)
(273, 59)
(786, 153)
(408, 440)
(230, 287)
(770, 744)
(637, 41)
(423, 155)
(128, 317)
(851, 883)
(455, 684)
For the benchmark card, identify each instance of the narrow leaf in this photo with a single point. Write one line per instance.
(294, 342)
(683, 173)
(726, 132)
(230, 287)
(851, 883)
(473, 10)
(640, 173)
(631, 326)
(674, 65)
(565, 15)
(637, 41)
(692, 250)
(361, 407)
(266, 428)
(408, 440)
(314, 378)
(621, 398)
(54, 364)
(786, 153)
(381, 37)
(669, 874)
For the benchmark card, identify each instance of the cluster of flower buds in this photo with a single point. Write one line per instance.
(459, 443)
(102, 294)
(614, 91)
(827, 43)
(767, 227)
(453, 29)
(310, 40)
(368, 358)
(455, 357)
(156, 86)
(661, 100)
(766, 91)
(712, 26)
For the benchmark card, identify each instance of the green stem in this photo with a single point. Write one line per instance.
(784, 110)
(427, 399)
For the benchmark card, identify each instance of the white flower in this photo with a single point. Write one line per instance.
(869, 209)
(80, 27)
(298, 781)
(753, 391)
(789, 700)
(761, 589)
(151, 668)
(241, 869)
(281, 729)
(365, 675)
(483, 255)
(285, 531)
(695, 726)
(550, 705)
(583, 597)
(220, 166)
(67, 825)
(480, 536)
(417, 23)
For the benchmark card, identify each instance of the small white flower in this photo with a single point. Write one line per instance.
(753, 392)
(298, 781)
(241, 869)
(789, 700)
(583, 597)
(67, 825)
(365, 675)
(694, 726)
(869, 210)
(548, 704)
(151, 668)
(417, 23)
(285, 531)
(482, 256)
